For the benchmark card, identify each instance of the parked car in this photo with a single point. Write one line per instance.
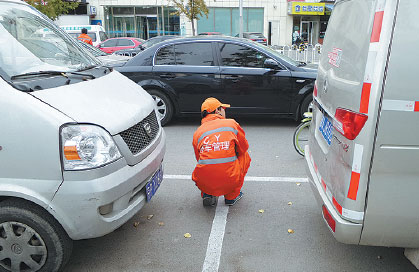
(114, 44)
(81, 148)
(96, 32)
(363, 152)
(254, 79)
(209, 33)
(150, 42)
(107, 59)
(255, 36)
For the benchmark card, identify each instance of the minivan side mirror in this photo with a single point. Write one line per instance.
(271, 64)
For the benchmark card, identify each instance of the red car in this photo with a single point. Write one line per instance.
(114, 44)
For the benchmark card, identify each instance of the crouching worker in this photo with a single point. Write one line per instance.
(220, 147)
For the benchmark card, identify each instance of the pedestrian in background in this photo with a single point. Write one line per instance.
(220, 147)
(84, 37)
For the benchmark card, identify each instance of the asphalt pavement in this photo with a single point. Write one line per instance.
(276, 226)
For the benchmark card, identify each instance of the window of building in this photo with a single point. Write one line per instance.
(227, 20)
(197, 54)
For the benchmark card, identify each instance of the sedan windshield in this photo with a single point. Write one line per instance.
(31, 43)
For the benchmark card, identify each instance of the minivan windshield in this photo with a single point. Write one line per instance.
(31, 43)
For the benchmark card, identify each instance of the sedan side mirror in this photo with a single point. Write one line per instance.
(271, 64)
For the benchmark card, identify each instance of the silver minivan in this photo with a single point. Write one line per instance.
(81, 148)
(363, 153)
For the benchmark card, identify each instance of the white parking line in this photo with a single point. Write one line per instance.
(278, 179)
(215, 241)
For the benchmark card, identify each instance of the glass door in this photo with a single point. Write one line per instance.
(124, 26)
(309, 32)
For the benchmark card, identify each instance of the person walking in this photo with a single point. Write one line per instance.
(84, 37)
(220, 147)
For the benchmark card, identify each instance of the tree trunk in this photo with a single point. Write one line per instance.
(193, 27)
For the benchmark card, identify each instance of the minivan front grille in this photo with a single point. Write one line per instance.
(142, 134)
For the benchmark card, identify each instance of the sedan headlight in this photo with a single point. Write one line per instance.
(86, 147)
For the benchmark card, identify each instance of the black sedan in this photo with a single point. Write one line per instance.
(256, 80)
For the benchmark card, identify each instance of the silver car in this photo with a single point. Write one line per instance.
(81, 148)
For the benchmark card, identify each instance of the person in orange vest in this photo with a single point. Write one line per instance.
(220, 147)
(84, 37)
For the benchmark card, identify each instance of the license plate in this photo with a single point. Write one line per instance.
(154, 183)
(326, 128)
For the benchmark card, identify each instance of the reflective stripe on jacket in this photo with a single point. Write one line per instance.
(219, 145)
(85, 38)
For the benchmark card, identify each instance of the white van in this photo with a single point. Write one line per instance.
(81, 148)
(96, 32)
(363, 152)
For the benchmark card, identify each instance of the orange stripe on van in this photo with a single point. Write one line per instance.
(337, 205)
(376, 28)
(353, 185)
(416, 106)
(365, 97)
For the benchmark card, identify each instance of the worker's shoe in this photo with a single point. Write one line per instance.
(209, 200)
(232, 202)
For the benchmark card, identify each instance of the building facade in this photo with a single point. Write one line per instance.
(281, 21)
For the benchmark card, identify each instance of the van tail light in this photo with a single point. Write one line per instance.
(315, 89)
(329, 219)
(349, 123)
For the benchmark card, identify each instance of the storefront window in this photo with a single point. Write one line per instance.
(227, 21)
(141, 22)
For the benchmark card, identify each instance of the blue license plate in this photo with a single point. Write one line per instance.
(326, 128)
(154, 183)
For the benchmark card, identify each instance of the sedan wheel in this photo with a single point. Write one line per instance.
(164, 106)
(160, 106)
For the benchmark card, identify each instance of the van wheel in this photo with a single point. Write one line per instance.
(164, 106)
(31, 239)
(306, 105)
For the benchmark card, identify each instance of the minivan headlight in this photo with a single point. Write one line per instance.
(86, 147)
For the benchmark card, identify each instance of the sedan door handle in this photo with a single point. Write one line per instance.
(169, 75)
(233, 77)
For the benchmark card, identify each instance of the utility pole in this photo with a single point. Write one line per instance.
(241, 18)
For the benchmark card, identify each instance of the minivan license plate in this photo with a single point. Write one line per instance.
(326, 128)
(154, 183)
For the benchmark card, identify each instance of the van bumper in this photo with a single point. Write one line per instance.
(95, 202)
(345, 231)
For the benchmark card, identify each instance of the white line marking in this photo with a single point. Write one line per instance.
(215, 241)
(279, 179)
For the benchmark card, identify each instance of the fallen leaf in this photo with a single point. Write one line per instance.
(136, 224)
(290, 231)
(261, 211)
(289, 203)
(187, 235)
(150, 216)
(298, 184)
(161, 223)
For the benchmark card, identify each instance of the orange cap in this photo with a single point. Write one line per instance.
(211, 104)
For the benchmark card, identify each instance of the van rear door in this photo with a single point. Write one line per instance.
(391, 215)
(347, 94)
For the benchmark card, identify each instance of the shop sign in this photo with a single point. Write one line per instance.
(303, 8)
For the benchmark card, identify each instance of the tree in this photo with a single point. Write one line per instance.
(53, 8)
(192, 9)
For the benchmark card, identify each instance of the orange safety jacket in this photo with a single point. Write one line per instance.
(220, 149)
(85, 38)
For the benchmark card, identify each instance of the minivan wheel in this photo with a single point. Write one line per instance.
(306, 105)
(31, 239)
(163, 105)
